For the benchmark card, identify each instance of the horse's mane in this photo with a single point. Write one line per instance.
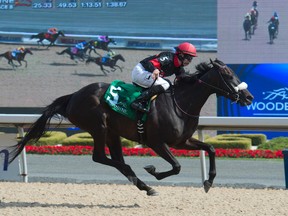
(201, 69)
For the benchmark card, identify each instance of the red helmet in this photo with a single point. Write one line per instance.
(187, 48)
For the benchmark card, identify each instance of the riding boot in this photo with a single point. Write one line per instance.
(141, 102)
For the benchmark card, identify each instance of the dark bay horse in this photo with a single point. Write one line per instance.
(109, 62)
(19, 57)
(102, 45)
(80, 54)
(272, 28)
(172, 120)
(247, 28)
(45, 36)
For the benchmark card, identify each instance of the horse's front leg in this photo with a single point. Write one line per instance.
(20, 64)
(113, 69)
(163, 151)
(194, 144)
(116, 66)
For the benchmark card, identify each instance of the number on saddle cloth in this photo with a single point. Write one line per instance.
(119, 97)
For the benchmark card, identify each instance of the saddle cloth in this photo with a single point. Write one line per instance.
(119, 97)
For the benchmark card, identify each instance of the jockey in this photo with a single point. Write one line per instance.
(52, 31)
(149, 73)
(103, 38)
(108, 56)
(81, 45)
(18, 51)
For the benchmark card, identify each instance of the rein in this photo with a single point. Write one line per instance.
(227, 93)
(210, 86)
(181, 110)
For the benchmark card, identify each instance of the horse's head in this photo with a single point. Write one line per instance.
(120, 57)
(225, 82)
(112, 41)
(231, 85)
(28, 51)
(61, 33)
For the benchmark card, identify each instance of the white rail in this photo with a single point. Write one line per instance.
(205, 123)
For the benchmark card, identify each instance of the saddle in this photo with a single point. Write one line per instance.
(119, 97)
(48, 36)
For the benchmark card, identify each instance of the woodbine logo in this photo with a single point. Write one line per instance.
(274, 102)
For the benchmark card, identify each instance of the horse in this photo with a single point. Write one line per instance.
(247, 28)
(109, 62)
(171, 121)
(19, 57)
(46, 36)
(272, 28)
(254, 20)
(80, 54)
(101, 45)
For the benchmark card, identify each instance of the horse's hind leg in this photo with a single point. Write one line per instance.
(117, 160)
(12, 64)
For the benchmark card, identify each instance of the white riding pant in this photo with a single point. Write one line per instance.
(144, 78)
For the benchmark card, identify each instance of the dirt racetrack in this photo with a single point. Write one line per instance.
(37, 199)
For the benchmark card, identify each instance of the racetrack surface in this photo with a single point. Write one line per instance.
(39, 199)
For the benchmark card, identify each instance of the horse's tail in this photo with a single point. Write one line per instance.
(62, 52)
(33, 36)
(40, 126)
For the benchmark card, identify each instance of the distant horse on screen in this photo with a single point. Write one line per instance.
(19, 57)
(46, 36)
(109, 62)
(76, 53)
(102, 45)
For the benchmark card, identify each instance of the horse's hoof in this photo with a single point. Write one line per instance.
(152, 192)
(207, 185)
(150, 169)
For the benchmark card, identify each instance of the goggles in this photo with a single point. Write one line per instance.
(188, 57)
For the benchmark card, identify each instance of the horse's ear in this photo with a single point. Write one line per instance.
(217, 65)
(211, 62)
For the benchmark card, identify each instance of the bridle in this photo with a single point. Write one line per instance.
(234, 91)
(228, 93)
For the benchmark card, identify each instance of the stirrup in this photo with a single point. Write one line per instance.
(139, 106)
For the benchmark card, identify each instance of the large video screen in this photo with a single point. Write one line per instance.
(114, 17)
(49, 75)
(257, 48)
